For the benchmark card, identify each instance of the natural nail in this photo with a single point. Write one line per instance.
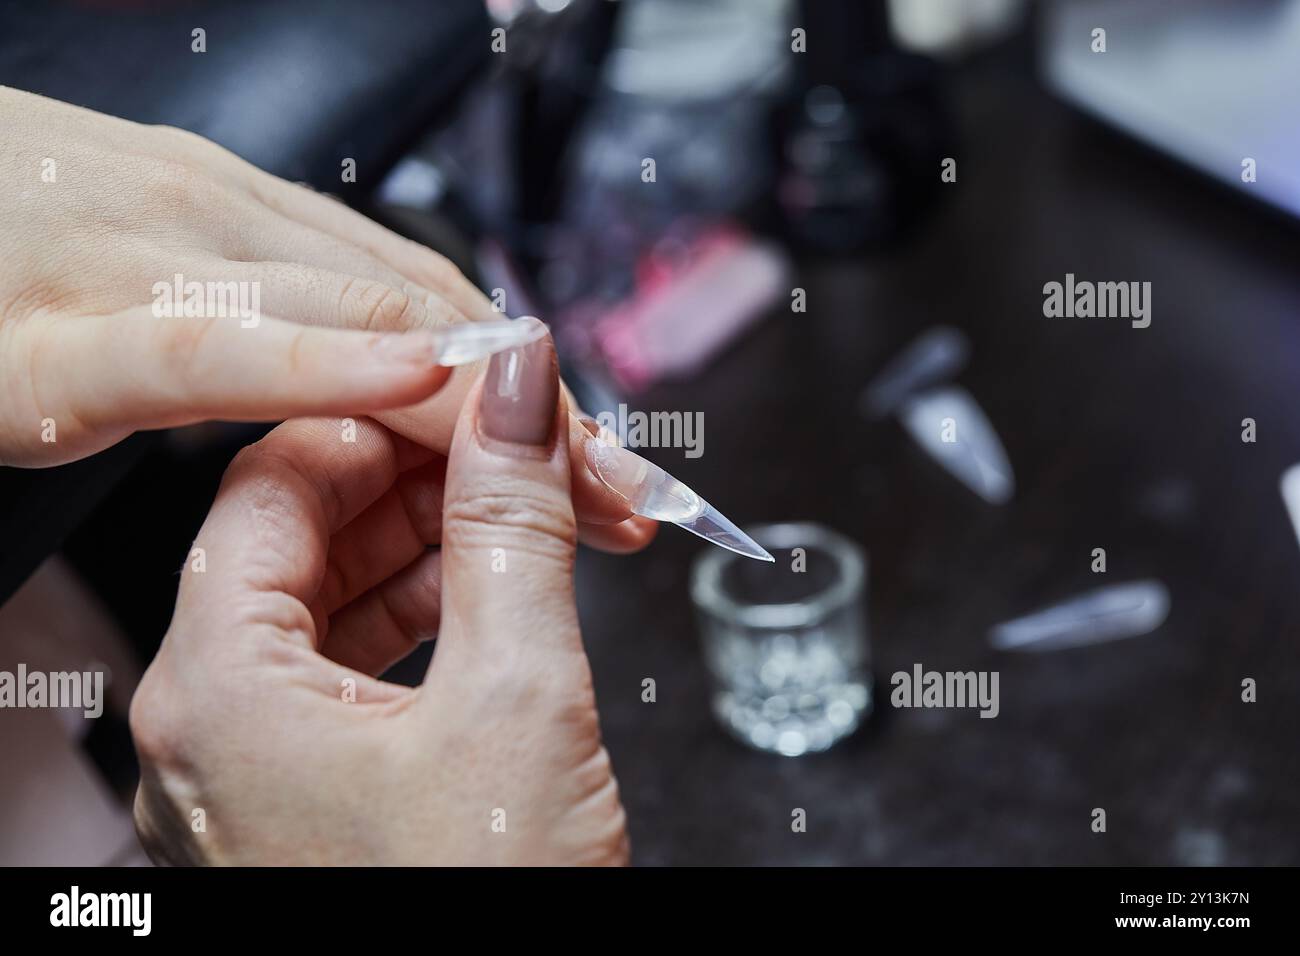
(623, 471)
(520, 393)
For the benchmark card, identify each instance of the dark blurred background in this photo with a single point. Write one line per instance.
(782, 165)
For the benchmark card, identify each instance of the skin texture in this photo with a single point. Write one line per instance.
(133, 205)
(320, 572)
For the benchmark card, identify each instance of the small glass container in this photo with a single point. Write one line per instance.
(786, 642)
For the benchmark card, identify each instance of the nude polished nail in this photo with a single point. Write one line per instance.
(520, 392)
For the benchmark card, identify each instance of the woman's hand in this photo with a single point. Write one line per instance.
(101, 216)
(263, 734)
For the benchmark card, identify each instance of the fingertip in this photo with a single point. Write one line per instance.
(392, 370)
(593, 500)
(626, 537)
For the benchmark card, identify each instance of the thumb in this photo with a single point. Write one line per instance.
(508, 530)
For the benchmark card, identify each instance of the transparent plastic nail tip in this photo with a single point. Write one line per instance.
(953, 430)
(653, 493)
(934, 357)
(713, 525)
(1111, 613)
(470, 341)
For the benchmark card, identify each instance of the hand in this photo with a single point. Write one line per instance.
(100, 217)
(318, 577)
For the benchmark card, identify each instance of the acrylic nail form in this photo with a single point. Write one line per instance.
(1111, 613)
(936, 356)
(653, 493)
(467, 342)
(975, 456)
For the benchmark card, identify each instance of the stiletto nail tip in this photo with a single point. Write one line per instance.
(713, 526)
(753, 549)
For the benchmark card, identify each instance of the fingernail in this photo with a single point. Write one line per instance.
(466, 342)
(520, 393)
(414, 348)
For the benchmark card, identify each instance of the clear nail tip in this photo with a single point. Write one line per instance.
(1108, 613)
(468, 342)
(714, 526)
(653, 493)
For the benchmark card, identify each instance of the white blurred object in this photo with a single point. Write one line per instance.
(945, 27)
(1110, 613)
(508, 11)
(1211, 83)
(935, 356)
(1291, 496)
(975, 455)
(413, 182)
(684, 49)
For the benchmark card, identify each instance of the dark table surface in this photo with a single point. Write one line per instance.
(1121, 438)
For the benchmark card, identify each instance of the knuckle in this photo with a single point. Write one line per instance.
(179, 186)
(35, 296)
(246, 460)
(376, 307)
(441, 270)
(158, 727)
(264, 459)
(517, 518)
(434, 307)
(180, 343)
(298, 353)
(600, 803)
(177, 134)
(273, 490)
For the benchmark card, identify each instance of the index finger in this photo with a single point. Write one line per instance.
(280, 502)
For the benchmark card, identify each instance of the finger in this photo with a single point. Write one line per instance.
(605, 519)
(508, 528)
(280, 501)
(390, 607)
(317, 296)
(277, 238)
(626, 537)
(133, 370)
(414, 262)
(432, 421)
(388, 622)
(383, 302)
(387, 536)
(321, 296)
(596, 502)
